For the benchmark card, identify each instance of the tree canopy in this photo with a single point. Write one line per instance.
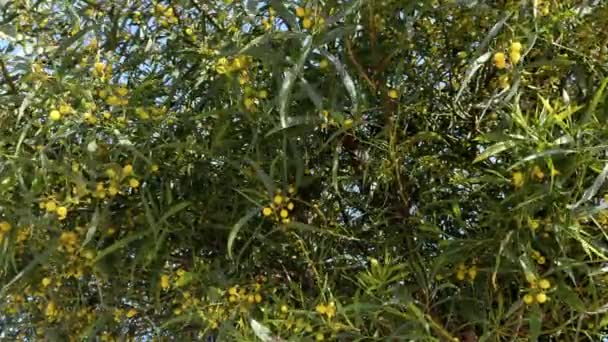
(348, 170)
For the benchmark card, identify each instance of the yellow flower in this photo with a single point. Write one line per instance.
(5, 227)
(323, 64)
(278, 199)
(537, 173)
(307, 23)
(393, 94)
(284, 308)
(122, 91)
(319, 337)
(461, 274)
(46, 281)
(514, 56)
(113, 100)
(262, 94)
(127, 170)
(267, 211)
(290, 205)
(300, 12)
(55, 115)
(154, 167)
(517, 179)
(131, 313)
(322, 309)
(68, 240)
(112, 190)
(544, 284)
(51, 310)
(516, 46)
(541, 297)
(528, 299)
(286, 220)
(233, 291)
(134, 183)
(62, 212)
(51, 206)
(65, 109)
(99, 67)
(165, 281)
(258, 298)
(500, 60)
(348, 123)
(284, 213)
(533, 224)
(189, 31)
(472, 272)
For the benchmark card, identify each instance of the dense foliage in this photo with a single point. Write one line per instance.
(303, 170)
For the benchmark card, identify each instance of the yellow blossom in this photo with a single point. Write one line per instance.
(127, 170)
(323, 64)
(290, 205)
(278, 199)
(393, 94)
(500, 60)
(258, 298)
(62, 212)
(267, 211)
(165, 281)
(284, 213)
(537, 173)
(122, 91)
(55, 115)
(134, 183)
(541, 297)
(528, 299)
(46, 281)
(307, 23)
(517, 179)
(544, 284)
(5, 227)
(131, 313)
(300, 12)
(51, 206)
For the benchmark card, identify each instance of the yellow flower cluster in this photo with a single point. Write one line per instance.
(537, 292)
(517, 179)
(225, 66)
(5, 228)
(539, 258)
(309, 19)
(68, 241)
(52, 207)
(239, 294)
(117, 97)
(329, 310)
(281, 206)
(462, 271)
(101, 70)
(515, 52)
(165, 15)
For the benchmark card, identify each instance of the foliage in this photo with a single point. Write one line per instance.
(303, 170)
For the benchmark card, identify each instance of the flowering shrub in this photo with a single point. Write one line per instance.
(303, 170)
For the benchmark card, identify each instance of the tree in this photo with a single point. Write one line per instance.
(319, 170)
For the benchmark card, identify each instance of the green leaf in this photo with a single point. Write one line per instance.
(535, 323)
(237, 228)
(290, 77)
(494, 150)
